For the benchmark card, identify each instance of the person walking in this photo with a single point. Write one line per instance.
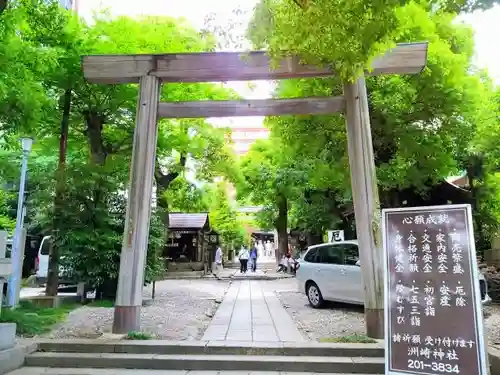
(243, 256)
(253, 257)
(218, 263)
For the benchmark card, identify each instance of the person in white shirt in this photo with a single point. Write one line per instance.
(243, 257)
(218, 263)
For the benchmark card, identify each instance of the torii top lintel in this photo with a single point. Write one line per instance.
(408, 58)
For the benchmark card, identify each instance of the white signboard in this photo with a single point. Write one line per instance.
(335, 235)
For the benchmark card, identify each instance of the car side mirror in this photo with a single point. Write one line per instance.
(358, 263)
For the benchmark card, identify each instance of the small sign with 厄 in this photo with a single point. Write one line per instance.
(434, 322)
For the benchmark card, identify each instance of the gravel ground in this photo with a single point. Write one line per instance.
(492, 323)
(181, 310)
(337, 320)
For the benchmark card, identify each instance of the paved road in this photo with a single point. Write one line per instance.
(250, 312)
(88, 371)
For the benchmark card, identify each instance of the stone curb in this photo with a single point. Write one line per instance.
(162, 347)
(353, 365)
(14, 358)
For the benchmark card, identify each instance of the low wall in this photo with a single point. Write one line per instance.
(52, 301)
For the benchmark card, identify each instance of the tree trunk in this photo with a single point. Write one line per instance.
(3, 5)
(163, 182)
(348, 227)
(281, 226)
(53, 271)
(95, 123)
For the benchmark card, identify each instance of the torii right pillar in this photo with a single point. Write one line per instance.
(366, 204)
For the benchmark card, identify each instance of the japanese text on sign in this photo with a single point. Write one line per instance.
(430, 278)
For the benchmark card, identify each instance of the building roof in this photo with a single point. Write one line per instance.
(178, 220)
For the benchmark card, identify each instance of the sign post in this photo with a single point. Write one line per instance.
(433, 313)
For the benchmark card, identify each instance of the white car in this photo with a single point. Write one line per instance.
(332, 272)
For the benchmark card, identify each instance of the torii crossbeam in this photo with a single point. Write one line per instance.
(151, 70)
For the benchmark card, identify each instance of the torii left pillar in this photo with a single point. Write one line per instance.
(135, 240)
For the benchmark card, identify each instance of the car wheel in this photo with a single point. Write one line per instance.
(314, 295)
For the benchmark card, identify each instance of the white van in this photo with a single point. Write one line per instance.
(42, 259)
(42, 262)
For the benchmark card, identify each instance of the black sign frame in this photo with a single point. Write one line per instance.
(404, 265)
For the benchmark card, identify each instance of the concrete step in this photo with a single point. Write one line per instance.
(261, 277)
(88, 371)
(164, 347)
(350, 365)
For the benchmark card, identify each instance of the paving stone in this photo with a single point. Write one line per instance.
(239, 335)
(28, 371)
(215, 332)
(243, 321)
(248, 313)
(219, 321)
(265, 333)
(262, 320)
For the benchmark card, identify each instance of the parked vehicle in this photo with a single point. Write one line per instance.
(8, 249)
(332, 272)
(42, 259)
(42, 264)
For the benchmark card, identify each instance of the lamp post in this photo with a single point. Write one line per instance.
(15, 279)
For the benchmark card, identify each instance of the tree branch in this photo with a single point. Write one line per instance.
(111, 148)
(164, 180)
(299, 4)
(3, 5)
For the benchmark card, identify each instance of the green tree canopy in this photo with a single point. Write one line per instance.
(224, 218)
(422, 125)
(272, 179)
(43, 86)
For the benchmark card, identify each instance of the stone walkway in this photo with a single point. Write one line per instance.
(251, 313)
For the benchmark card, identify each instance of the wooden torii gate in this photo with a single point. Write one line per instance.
(150, 71)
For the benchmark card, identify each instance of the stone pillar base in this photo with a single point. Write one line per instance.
(127, 319)
(374, 323)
